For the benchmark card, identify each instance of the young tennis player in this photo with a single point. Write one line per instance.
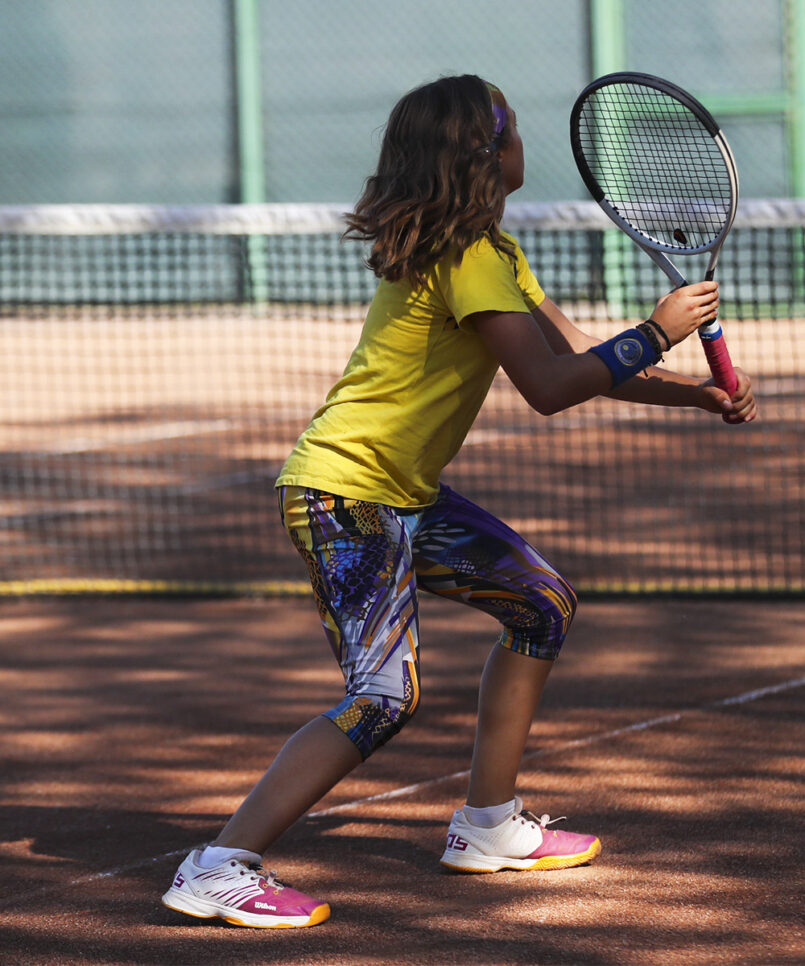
(361, 499)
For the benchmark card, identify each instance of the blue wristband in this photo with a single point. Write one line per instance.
(626, 354)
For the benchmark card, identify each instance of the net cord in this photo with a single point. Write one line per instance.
(316, 219)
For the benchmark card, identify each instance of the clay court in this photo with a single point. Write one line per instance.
(139, 448)
(671, 728)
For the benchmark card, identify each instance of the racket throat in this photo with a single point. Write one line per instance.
(676, 278)
(711, 268)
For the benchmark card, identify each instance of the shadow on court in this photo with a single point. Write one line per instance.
(134, 727)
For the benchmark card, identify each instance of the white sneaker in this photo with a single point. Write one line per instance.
(521, 842)
(242, 894)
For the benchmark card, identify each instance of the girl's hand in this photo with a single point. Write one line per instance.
(741, 408)
(682, 311)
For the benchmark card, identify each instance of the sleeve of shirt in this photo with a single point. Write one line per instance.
(527, 281)
(488, 280)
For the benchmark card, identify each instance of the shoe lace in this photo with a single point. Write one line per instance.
(270, 878)
(544, 820)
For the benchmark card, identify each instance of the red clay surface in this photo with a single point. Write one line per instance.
(134, 727)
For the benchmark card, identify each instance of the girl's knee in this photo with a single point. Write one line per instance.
(542, 642)
(542, 635)
(369, 721)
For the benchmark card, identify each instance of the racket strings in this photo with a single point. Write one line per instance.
(656, 164)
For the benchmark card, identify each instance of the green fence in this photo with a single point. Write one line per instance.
(211, 101)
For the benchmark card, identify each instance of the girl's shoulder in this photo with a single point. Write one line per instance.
(484, 248)
(485, 254)
(484, 243)
(510, 239)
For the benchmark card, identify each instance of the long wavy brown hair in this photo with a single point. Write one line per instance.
(438, 182)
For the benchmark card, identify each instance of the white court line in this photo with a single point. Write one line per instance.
(542, 753)
(592, 739)
(133, 437)
(575, 743)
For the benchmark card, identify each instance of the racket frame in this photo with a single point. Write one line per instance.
(710, 333)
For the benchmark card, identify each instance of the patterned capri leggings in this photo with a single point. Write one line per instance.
(366, 562)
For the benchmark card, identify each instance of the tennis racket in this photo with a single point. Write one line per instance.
(657, 163)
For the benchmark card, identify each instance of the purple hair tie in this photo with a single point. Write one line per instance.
(499, 113)
(500, 120)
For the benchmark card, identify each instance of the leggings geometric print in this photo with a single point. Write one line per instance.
(367, 561)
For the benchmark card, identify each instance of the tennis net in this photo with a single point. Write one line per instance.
(157, 365)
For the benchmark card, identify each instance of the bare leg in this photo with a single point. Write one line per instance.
(310, 763)
(511, 687)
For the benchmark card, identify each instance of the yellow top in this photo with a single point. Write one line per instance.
(414, 383)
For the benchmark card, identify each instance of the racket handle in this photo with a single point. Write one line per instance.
(718, 357)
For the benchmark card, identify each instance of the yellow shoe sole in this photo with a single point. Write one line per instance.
(320, 914)
(545, 864)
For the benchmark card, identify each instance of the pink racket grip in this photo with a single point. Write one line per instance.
(718, 358)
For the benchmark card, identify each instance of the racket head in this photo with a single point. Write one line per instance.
(656, 161)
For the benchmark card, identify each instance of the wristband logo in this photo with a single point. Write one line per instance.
(628, 351)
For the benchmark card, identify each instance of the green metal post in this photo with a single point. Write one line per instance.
(608, 54)
(250, 130)
(795, 123)
(607, 39)
(795, 44)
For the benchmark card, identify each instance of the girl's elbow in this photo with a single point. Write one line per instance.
(546, 405)
(546, 396)
(551, 410)
(549, 402)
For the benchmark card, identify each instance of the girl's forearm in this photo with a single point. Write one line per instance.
(661, 387)
(655, 387)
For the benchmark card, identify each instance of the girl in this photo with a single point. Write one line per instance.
(361, 499)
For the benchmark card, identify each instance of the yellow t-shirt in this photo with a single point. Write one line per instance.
(414, 383)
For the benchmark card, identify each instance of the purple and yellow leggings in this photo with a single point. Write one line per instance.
(366, 562)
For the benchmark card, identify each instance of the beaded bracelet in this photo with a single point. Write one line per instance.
(651, 335)
(662, 332)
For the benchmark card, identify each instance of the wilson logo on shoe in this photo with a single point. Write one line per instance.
(264, 905)
(457, 842)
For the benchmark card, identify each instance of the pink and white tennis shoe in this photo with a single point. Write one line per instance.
(521, 842)
(243, 894)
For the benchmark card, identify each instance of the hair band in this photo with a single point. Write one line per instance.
(499, 113)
